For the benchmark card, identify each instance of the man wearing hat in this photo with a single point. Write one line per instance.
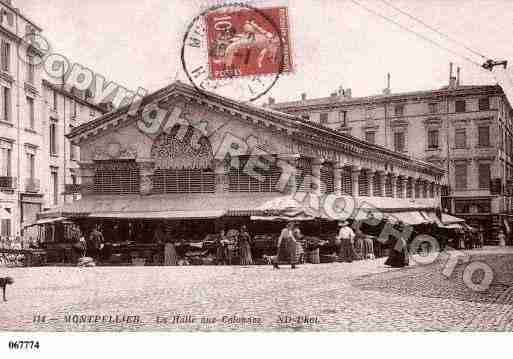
(346, 236)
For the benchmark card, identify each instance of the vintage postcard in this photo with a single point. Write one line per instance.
(260, 166)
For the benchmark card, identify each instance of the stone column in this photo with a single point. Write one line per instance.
(337, 179)
(86, 171)
(355, 173)
(370, 177)
(393, 181)
(414, 182)
(146, 169)
(221, 170)
(316, 180)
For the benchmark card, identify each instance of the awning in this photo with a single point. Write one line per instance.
(453, 226)
(46, 221)
(448, 219)
(409, 217)
(159, 215)
(431, 217)
(212, 205)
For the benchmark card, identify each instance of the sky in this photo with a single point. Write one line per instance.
(334, 42)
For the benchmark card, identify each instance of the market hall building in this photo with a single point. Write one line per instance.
(193, 156)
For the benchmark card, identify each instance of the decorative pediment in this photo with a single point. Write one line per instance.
(115, 149)
(182, 147)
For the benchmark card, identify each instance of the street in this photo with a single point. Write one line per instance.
(360, 296)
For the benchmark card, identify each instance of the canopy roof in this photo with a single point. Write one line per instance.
(294, 126)
(211, 205)
(448, 219)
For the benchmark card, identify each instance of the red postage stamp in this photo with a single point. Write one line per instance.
(248, 42)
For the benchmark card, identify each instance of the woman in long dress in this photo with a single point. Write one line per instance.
(368, 247)
(170, 256)
(398, 256)
(286, 247)
(346, 236)
(358, 245)
(245, 247)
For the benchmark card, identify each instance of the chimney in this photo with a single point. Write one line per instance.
(452, 79)
(458, 76)
(347, 93)
(303, 96)
(271, 101)
(387, 90)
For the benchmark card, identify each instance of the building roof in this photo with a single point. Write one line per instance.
(335, 101)
(9, 4)
(67, 93)
(300, 127)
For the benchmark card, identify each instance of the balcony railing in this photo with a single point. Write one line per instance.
(32, 185)
(7, 182)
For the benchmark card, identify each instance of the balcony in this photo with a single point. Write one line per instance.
(7, 183)
(32, 185)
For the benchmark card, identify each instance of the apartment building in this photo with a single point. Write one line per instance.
(37, 164)
(21, 134)
(63, 109)
(467, 130)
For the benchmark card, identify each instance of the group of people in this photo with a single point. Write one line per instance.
(353, 244)
(230, 240)
(91, 246)
(470, 239)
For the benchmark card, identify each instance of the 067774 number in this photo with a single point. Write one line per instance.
(23, 344)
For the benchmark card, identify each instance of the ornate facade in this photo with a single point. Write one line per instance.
(185, 144)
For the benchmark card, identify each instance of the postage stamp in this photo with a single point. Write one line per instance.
(246, 42)
(237, 50)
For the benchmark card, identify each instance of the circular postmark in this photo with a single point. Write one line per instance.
(237, 50)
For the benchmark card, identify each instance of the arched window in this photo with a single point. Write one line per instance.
(183, 160)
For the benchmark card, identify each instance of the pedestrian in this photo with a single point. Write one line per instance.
(368, 247)
(159, 235)
(346, 236)
(95, 243)
(286, 247)
(245, 247)
(481, 236)
(398, 254)
(170, 256)
(79, 245)
(502, 238)
(222, 249)
(358, 244)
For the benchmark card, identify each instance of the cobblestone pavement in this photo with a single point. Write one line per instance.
(361, 296)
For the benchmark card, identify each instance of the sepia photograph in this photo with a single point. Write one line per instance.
(275, 166)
